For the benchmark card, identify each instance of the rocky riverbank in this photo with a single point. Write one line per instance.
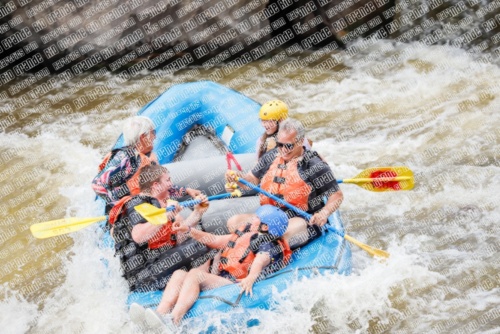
(82, 34)
(128, 36)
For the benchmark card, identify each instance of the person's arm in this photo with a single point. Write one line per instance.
(325, 185)
(193, 192)
(261, 261)
(211, 240)
(230, 178)
(142, 232)
(198, 211)
(255, 175)
(320, 218)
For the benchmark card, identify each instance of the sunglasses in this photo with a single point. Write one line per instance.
(288, 146)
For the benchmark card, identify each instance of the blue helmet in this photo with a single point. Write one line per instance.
(274, 218)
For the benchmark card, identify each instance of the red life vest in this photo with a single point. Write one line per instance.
(164, 236)
(283, 179)
(238, 257)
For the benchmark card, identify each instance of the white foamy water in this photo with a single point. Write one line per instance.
(435, 110)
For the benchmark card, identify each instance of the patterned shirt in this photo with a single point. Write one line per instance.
(110, 183)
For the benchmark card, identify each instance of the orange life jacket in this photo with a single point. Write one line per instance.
(165, 236)
(283, 180)
(238, 257)
(132, 182)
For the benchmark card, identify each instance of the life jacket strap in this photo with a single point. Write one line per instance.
(245, 254)
(280, 196)
(230, 157)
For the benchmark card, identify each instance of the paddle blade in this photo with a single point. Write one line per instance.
(379, 179)
(152, 214)
(62, 226)
(370, 250)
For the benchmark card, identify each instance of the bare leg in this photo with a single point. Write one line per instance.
(216, 263)
(205, 266)
(195, 281)
(296, 231)
(171, 293)
(236, 221)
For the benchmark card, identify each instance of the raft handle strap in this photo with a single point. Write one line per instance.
(230, 157)
(244, 256)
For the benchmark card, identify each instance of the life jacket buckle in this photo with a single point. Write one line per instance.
(279, 179)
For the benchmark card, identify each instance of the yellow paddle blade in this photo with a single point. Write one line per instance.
(370, 250)
(379, 179)
(152, 214)
(62, 226)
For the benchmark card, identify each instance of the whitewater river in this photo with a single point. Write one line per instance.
(434, 109)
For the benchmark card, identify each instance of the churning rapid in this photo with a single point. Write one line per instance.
(433, 109)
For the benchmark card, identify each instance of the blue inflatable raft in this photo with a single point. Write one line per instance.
(197, 124)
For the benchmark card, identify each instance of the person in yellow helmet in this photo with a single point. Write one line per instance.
(271, 114)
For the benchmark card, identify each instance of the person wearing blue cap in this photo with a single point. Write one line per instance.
(254, 249)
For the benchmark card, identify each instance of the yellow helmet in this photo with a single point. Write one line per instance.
(273, 110)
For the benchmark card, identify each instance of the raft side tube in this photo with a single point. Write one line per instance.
(208, 175)
(232, 116)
